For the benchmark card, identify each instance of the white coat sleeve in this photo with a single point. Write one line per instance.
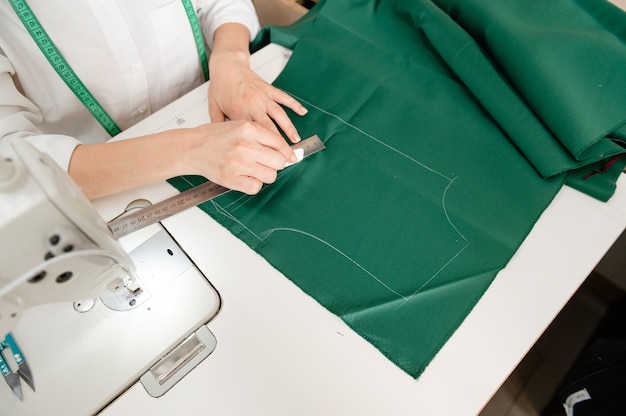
(213, 13)
(19, 116)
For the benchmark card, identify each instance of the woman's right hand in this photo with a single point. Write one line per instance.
(240, 155)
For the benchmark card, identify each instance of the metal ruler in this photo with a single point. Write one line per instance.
(137, 220)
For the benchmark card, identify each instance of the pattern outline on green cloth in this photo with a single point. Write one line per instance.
(227, 211)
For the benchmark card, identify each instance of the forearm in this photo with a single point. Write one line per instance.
(239, 155)
(107, 168)
(213, 14)
(230, 41)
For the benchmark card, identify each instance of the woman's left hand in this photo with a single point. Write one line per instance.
(237, 93)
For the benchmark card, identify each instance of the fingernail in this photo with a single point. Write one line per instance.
(298, 156)
(296, 137)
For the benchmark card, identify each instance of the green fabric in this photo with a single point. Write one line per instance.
(438, 161)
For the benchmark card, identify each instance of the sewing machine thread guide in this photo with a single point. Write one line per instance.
(137, 220)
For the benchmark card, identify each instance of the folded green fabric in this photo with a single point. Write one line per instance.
(560, 96)
(436, 164)
(550, 74)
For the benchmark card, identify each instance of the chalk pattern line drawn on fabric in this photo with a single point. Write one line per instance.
(352, 126)
(443, 203)
(229, 209)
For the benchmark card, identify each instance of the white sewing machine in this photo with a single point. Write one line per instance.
(64, 247)
(99, 317)
(112, 342)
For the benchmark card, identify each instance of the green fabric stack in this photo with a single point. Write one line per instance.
(449, 127)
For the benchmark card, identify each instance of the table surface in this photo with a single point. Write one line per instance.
(281, 353)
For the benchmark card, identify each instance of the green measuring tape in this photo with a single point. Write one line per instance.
(67, 74)
(197, 36)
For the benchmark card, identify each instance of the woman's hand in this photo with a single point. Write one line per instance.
(237, 93)
(240, 155)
